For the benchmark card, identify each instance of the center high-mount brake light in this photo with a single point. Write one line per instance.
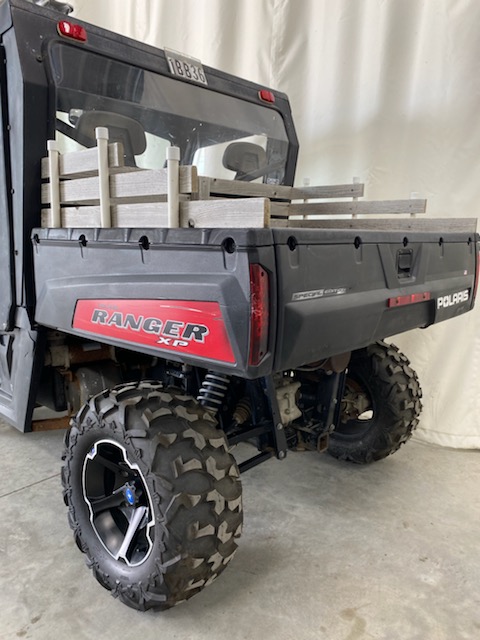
(413, 298)
(259, 314)
(71, 30)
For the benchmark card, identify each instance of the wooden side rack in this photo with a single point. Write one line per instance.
(94, 188)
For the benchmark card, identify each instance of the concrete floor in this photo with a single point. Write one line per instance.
(330, 551)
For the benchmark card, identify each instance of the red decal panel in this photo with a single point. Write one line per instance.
(182, 326)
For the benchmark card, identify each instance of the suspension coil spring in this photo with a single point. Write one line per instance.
(213, 390)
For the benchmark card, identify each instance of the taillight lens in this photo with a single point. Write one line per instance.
(266, 96)
(259, 314)
(477, 277)
(69, 29)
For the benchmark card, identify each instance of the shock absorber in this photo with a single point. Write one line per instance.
(213, 390)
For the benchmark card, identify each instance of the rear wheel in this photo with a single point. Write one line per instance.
(154, 496)
(380, 407)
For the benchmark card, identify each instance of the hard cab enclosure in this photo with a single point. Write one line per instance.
(230, 297)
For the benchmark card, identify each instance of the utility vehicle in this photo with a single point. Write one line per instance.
(165, 313)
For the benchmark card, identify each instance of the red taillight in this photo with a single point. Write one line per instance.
(72, 30)
(259, 315)
(413, 298)
(266, 96)
(477, 277)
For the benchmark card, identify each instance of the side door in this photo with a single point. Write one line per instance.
(7, 273)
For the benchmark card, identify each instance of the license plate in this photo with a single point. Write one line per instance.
(185, 67)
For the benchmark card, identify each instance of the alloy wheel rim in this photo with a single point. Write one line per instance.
(119, 503)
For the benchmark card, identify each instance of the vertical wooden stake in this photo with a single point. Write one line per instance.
(414, 196)
(306, 183)
(356, 180)
(173, 187)
(54, 184)
(101, 134)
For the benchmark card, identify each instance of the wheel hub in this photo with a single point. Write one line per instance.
(130, 495)
(356, 404)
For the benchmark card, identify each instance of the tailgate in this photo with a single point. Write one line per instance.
(181, 294)
(340, 290)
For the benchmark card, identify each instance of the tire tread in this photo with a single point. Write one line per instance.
(398, 389)
(193, 480)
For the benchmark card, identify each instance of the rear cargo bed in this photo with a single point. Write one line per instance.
(330, 290)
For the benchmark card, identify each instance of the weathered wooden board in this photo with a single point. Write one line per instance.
(238, 213)
(139, 186)
(51, 424)
(374, 207)
(82, 164)
(219, 187)
(440, 225)
(241, 213)
(354, 190)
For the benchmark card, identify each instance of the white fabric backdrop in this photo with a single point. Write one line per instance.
(388, 91)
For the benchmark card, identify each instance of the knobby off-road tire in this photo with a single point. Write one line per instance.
(153, 495)
(382, 376)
